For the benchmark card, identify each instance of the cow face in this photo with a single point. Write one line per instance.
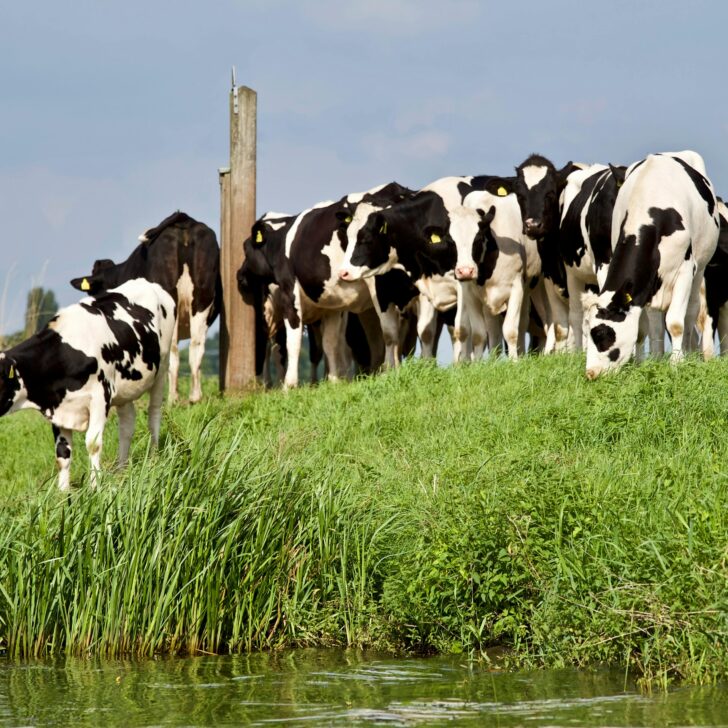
(469, 228)
(9, 383)
(369, 251)
(537, 185)
(613, 329)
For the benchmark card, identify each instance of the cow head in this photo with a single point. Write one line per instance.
(538, 185)
(613, 324)
(104, 275)
(469, 230)
(9, 383)
(369, 251)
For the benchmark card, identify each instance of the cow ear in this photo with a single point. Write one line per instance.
(256, 235)
(103, 264)
(563, 174)
(486, 217)
(380, 224)
(501, 186)
(619, 173)
(87, 284)
(343, 216)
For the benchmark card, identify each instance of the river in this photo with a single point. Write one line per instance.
(333, 687)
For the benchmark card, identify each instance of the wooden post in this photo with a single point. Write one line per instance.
(237, 215)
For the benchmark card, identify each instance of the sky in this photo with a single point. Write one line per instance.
(115, 114)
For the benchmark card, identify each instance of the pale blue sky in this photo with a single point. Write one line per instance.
(114, 114)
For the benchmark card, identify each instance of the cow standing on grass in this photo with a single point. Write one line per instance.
(181, 255)
(106, 350)
(664, 232)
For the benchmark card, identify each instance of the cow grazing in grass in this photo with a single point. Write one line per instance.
(664, 232)
(181, 255)
(106, 350)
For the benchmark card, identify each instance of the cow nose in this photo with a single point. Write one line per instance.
(533, 227)
(465, 272)
(592, 373)
(344, 274)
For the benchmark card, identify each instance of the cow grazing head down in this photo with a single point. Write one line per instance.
(613, 324)
(537, 186)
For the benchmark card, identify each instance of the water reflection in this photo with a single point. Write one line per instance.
(326, 687)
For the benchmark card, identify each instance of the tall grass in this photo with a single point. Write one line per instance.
(425, 509)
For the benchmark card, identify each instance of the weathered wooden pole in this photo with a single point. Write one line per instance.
(237, 215)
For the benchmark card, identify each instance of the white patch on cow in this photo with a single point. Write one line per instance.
(275, 225)
(533, 174)
(274, 215)
(355, 197)
(291, 234)
(361, 216)
(464, 227)
(447, 189)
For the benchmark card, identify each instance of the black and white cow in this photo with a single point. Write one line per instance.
(664, 232)
(585, 237)
(106, 350)
(181, 255)
(716, 284)
(538, 186)
(304, 259)
(423, 235)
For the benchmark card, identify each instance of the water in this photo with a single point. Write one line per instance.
(327, 687)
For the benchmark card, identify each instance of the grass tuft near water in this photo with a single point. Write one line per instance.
(426, 509)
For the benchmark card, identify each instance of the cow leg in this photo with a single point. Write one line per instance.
(656, 320)
(576, 287)
(294, 336)
(390, 323)
(426, 326)
(198, 333)
(675, 317)
(95, 438)
(127, 422)
(64, 445)
(523, 321)
(156, 400)
(371, 324)
(315, 349)
(559, 318)
(494, 329)
(333, 340)
(461, 330)
(477, 316)
(511, 323)
(174, 362)
(643, 329)
(693, 317)
(723, 330)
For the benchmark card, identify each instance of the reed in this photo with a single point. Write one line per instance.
(426, 509)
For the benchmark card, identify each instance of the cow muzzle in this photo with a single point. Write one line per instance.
(345, 274)
(592, 373)
(533, 228)
(465, 272)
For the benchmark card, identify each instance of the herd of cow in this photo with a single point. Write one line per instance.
(595, 256)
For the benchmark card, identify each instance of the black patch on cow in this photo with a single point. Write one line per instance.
(131, 340)
(635, 262)
(603, 337)
(106, 386)
(716, 275)
(394, 287)
(701, 184)
(63, 447)
(689, 252)
(613, 312)
(614, 354)
(485, 252)
(50, 368)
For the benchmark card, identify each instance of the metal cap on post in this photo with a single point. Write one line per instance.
(237, 215)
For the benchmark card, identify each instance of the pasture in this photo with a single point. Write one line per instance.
(423, 510)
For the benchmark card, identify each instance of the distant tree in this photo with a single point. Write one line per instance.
(40, 309)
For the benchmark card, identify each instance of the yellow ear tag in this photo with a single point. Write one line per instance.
(627, 298)
(11, 373)
(435, 238)
(501, 192)
(85, 285)
(347, 220)
(383, 229)
(259, 237)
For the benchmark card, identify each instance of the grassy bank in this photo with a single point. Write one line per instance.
(426, 509)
